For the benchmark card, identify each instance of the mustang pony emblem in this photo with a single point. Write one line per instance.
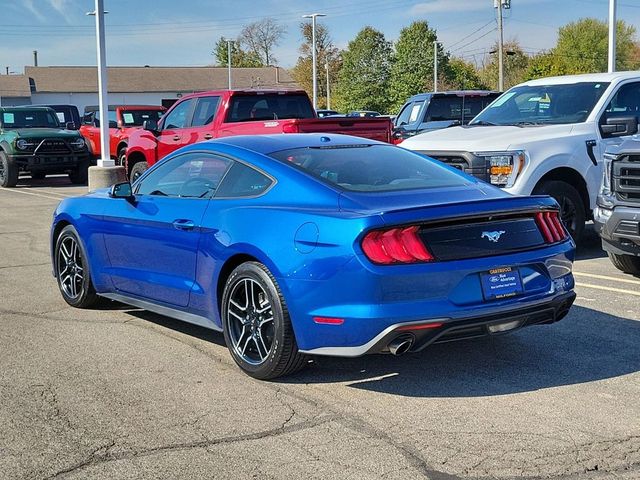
(493, 236)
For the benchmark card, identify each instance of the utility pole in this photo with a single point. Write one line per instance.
(229, 42)
(313, 17)
(103, 104)
(435, 66)
(612, 36)
(498, 5)
(326, 66)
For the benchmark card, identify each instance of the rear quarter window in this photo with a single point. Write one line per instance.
(247, 108)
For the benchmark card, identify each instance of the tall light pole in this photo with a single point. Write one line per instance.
(229, 42)
(103, 104)
(612, 36)
(313, 17)
(435, 66)
(326, 66)
(500, 48)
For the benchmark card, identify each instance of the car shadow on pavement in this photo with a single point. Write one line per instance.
(586, 346)
(590, 246)
(54, 181)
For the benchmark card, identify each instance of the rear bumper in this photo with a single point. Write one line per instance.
(422, 335)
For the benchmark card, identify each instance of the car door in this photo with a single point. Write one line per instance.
(170, 137)
(201, 127)
(152, 241)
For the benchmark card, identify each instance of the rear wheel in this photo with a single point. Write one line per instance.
(122, 157)
(572, 210)
(626, 263)
(8, 171)
(72, 270)
(137, 170)
(257, 327)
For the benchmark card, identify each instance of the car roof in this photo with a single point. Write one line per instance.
(457, 93)
(26, 107)
(266, 144)
(587, 77)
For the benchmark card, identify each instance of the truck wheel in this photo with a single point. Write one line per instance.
(572, 211)
(137, 170)
(80, 175)
(8, 171)
(625, 263)
(122, 157)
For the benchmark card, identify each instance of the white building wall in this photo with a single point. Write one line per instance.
(82, 100)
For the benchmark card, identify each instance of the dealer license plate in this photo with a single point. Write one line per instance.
(501, 283)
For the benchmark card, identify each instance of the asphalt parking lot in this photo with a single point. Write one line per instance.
(122, 393)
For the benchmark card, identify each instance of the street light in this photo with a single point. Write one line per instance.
(229, 42)
(313, 16)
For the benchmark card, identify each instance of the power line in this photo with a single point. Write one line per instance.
(472, 33)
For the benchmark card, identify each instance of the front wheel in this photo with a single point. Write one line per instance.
(72, 270)
(572, 210)
(137, 170)
(80, 175)
(257, 327)
(8, 171)
(626, 263)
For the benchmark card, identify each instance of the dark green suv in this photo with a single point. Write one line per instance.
(32, 140)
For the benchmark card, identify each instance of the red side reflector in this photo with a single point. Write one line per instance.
(423, 326)
(328, 320)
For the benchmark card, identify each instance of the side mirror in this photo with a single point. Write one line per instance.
(150, 125)
(619, 127)
(121, 190)
(70, 125)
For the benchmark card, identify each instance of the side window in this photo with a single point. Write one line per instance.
(179, 116)
(243, 181)
(625, 102)
(415, 110)
(403, 116)
(205, 111)
(192, 175)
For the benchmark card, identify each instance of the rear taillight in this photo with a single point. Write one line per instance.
(290, 128)
(551, 227)
(396, 245)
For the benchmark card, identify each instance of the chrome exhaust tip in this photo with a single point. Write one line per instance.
(400, 345)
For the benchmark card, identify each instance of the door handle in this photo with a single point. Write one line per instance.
(183, 224)
(176, 137)
(208, 136)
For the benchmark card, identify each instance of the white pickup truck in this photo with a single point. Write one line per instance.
(546, 136)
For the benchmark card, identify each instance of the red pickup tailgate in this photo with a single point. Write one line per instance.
(374, 128)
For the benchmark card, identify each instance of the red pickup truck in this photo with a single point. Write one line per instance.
(123, 120)
(206, 115)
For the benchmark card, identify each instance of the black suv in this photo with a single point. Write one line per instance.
(617, 215)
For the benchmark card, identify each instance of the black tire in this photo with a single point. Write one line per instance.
(72, 270)
(279, 354)
(572, 209)
(38, 175)
(80, 175)
(8, 171)
(625, 263)
(121, 161)
(137, 170)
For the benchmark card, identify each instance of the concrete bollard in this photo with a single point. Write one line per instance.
(103, 177)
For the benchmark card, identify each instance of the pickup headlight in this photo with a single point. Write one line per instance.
(504, 167)
(77, 144)
(605, 188)
(23, 144)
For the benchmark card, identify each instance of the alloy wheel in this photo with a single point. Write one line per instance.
(568, 213)
(250, 321)
(70, 267)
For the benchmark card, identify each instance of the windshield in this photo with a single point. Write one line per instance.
(371, 168)
(30, 119)
(543, 104)
(134, 118)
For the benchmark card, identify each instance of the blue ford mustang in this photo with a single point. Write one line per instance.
(316, 244)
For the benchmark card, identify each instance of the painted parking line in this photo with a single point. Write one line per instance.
(608, 289)
(22, 191)
(605, 277)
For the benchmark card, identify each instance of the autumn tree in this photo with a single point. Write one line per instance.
(461, 75)
(260, 38)
(516, 63)
(326, 55)
(363, 82)
(239, 57)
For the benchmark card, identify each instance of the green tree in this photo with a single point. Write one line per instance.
(516, 64)
(363, 82)
(461, 75)
(544, 65)
(326, 54)
(583, 46)
(412, 70)
(239, 57)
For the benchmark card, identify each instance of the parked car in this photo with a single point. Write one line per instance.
(362, 113)
(432, 111)
(617, 215)
(316, 244)
(32, 140)
(68, 115)
(544, 136)
(207, 115)
(325, 113)
(123, 119)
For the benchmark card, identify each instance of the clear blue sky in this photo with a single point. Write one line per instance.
(171, 32)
